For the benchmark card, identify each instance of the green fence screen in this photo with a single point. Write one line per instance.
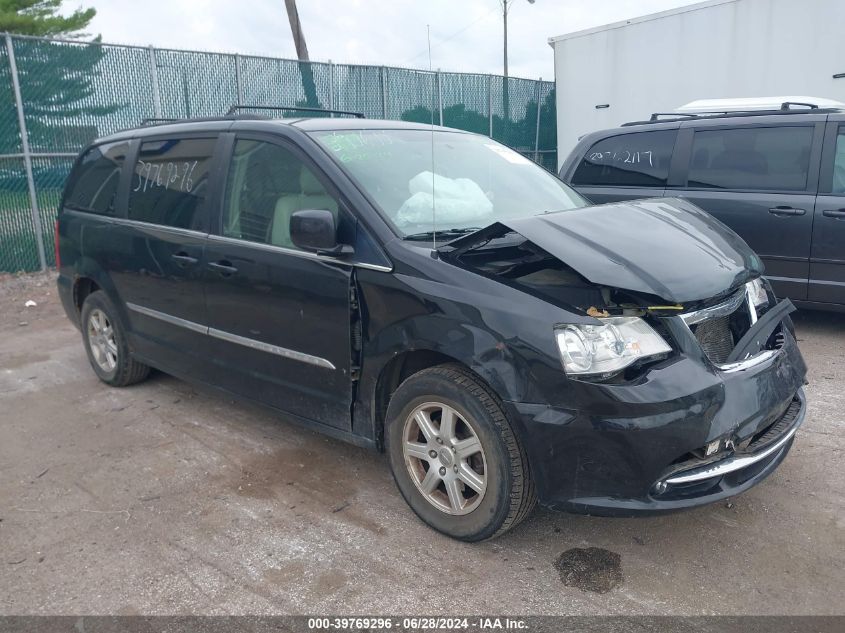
(69, 93)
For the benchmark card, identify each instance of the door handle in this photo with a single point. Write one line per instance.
(223, 267)
(183, 259)
(834, 213)
(786, 211)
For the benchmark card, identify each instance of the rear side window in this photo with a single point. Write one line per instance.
(763, 158)
(170, 183)
(839, 162)
(628, 160)
(93, 184)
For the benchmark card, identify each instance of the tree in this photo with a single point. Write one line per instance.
(519, 134)
(456, 116)
(56, 79)
(41, 17)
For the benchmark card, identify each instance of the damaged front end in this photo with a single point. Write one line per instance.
(630, 266)
(677, 337)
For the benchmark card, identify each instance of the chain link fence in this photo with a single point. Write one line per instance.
(56, 96)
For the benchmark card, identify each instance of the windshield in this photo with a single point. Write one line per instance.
(471, 182)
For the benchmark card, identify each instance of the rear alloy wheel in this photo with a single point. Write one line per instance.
(105, 343)
(101, 340)
(454, 455)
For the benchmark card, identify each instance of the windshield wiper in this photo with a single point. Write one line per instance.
(448, 234)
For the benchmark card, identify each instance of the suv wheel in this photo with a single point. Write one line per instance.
(454, 455)
(105, 343)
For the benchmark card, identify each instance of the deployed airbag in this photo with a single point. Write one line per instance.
(456, 201)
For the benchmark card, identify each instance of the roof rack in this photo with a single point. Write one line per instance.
(751, 104)
(233, 115)
(755, 106)
(676, 117)
(234, 109)
(152, 121)
(787, 105)
(156, 121)
(655, 116)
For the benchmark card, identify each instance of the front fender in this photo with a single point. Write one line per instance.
(483, 351)
(503, 335)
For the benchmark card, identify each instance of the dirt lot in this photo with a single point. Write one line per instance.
(164, 498)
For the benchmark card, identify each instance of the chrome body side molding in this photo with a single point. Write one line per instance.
(232, 338)
(271, 349)
(168, 318)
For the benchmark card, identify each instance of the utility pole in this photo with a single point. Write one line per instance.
(506, 102)
(505, 21)
(506, 5)
(305, 70)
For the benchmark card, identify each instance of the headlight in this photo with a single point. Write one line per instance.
(604, 349)
(757, 292)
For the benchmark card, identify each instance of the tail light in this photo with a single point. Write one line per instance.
(56, 244)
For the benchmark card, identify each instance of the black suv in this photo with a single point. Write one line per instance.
(776, 177)
(434, 294)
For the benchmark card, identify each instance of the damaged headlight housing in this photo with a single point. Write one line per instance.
(590, 350)
(757, 292)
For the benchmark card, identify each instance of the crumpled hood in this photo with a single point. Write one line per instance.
(666, 247)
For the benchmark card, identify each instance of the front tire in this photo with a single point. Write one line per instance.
(455, 457)
(105, 343)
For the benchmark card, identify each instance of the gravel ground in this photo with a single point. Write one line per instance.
(165, 498)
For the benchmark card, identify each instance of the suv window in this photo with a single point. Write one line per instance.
(94, 182)
(170, 182)
(628, 160)
(266, 184)
(751, 158)
(839, 162)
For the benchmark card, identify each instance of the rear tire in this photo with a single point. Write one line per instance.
(104, 337)
(454, 455)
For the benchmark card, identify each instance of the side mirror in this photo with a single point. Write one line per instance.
(314, 230)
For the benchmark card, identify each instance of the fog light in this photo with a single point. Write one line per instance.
(712, 447)
(660, 487)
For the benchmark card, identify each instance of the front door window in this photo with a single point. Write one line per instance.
(267, 183)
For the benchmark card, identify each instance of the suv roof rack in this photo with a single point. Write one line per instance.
(156, 121)
(753, 106)
(234, 114)
(152, 121)
(238, 106)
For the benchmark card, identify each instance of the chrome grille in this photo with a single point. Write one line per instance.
(715, 337)
(712, 327)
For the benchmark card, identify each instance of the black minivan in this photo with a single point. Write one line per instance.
(433, 294)
(776, 177)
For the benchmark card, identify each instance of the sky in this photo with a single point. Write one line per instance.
(466, 35)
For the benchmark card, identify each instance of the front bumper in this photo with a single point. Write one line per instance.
(760, 450)
(638, 448)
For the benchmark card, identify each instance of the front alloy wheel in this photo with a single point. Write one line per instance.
(445, 458)
(455, 456)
